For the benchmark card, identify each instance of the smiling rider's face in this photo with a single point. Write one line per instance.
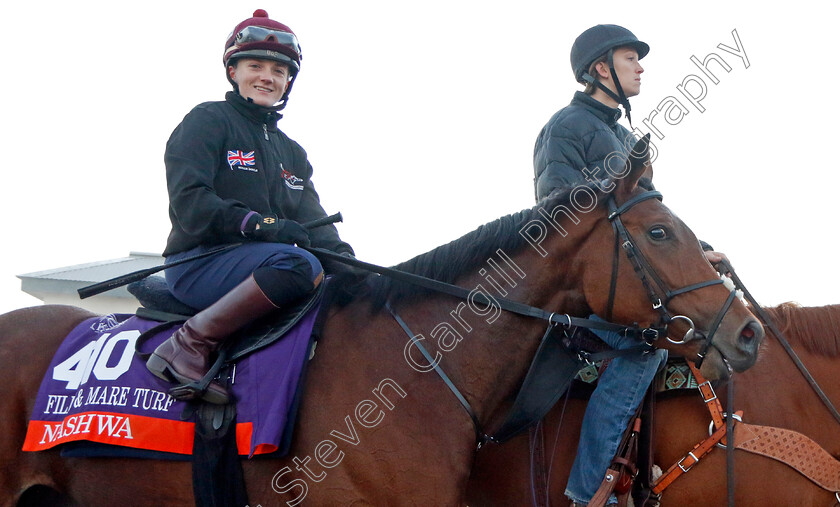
(263, 81)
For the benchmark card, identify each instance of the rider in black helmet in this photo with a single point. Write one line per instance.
(578, 145)
(577, 142)
(613, 46)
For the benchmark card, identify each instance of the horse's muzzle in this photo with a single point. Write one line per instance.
(741, 353)
(748, 341)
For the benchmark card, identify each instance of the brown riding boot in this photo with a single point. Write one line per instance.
(183, 358)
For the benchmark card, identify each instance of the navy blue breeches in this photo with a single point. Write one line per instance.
(202, 282)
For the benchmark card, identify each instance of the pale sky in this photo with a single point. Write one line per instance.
(420, 119)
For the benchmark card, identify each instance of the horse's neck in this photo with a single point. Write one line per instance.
(495, 346)
(817, 328)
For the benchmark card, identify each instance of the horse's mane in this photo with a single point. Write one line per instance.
(447, 262)
(817, 328)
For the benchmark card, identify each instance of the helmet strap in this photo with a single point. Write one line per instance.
(619, 97)
(622, 98)
(624, 102)
(594, 82)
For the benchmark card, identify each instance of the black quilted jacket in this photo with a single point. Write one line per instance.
(582, 135)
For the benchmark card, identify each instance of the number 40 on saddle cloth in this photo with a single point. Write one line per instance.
(97, 389)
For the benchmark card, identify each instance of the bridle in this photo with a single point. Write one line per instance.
(642, 268)
(658, 291)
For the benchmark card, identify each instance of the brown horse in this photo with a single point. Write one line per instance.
(375, 427)
(772, 393)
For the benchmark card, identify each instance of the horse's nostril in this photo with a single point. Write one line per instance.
(752, 334)
(747, 333)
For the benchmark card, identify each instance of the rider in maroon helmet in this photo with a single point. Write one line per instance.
(234, 177)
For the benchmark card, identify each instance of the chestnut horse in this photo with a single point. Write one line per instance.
(772, 393)
(375, 427)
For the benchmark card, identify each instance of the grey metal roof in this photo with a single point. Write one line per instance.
(71, 278)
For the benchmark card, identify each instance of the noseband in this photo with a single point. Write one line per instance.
(659, 293)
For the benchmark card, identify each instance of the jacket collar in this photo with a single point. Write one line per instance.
(262, 115)
(605, 113)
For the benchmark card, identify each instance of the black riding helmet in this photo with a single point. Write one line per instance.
(600, 40)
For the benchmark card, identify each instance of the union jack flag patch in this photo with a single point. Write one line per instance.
(237, 157)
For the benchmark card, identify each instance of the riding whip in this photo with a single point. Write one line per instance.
(119, 281)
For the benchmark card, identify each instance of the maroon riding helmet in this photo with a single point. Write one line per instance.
(264, 38)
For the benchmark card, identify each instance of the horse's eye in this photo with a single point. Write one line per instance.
(658, 233)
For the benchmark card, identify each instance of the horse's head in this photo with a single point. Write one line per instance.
(657, 269)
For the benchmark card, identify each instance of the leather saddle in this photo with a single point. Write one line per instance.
(160, 305)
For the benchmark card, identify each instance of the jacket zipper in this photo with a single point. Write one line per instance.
(265, 131)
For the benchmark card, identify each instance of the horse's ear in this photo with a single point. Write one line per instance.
(638, 165)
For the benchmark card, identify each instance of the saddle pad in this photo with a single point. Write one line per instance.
(97, 389)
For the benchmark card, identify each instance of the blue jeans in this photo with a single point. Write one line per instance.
(619, 392)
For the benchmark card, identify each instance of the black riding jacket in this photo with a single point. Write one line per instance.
(227, 159)
(581, 135)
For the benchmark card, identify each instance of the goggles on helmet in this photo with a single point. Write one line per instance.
(252, 34)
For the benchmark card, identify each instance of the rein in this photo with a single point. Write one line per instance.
(767, 321)
(511, 425)
(642, 268)
(789, 447)
(808, 458)
(648, 334)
